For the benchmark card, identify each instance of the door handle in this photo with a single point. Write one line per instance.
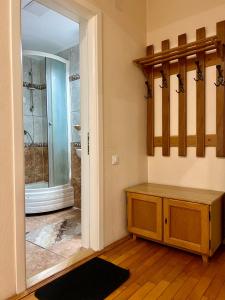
(165, 220)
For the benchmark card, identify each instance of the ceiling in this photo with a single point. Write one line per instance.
(46, 30)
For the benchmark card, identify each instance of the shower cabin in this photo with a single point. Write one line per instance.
(47, 132)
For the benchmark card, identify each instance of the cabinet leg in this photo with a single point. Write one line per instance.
(205, 258)
(134, 237)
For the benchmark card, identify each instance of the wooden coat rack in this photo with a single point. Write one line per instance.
(179, 60)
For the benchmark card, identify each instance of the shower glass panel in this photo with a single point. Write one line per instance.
(57, 122)
(35, 121)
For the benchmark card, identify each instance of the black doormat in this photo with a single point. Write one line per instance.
(94, 280)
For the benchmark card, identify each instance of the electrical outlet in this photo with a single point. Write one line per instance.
(115, 159)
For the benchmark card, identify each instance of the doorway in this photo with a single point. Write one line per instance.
(90, 19)
(52, 137)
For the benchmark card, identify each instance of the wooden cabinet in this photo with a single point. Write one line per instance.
(186, 224)
(186, 218)
(145, 215)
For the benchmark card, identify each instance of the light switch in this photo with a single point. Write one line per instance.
(115, 159)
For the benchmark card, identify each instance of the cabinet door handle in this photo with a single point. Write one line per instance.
(165, 220)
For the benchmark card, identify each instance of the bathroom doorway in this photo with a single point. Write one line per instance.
(52, 137)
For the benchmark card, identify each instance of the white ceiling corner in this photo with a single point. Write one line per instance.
(46, 30)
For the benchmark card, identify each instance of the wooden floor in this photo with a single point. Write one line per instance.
(160, 272)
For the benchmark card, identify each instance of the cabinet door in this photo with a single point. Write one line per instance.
(145, 215)
(186, 225)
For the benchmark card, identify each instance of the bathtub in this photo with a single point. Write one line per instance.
(40, 198)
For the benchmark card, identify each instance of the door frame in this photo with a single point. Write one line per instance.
(90, 19)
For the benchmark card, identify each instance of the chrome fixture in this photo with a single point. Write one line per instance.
(77, 127)
(27, 133)
(74, 77)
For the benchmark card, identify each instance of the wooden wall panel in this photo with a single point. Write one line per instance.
(200, 99)
(150, 106)
(166, 105)
(220, 98)
(211, 59)
(182, 117)
(210, 141)
(196, 55)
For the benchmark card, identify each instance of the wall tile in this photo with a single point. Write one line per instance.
(28, 126)
(38, 129)
(75, 118)
(45, 129)
(26, 102)
(42, 71)
(26, 68)
(75, 60)
(45, 163)
(36, 71)
(39, 164)
(76, 175)
(38, 103)
(44, 102)
(75, 95)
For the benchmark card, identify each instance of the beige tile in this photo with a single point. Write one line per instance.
(34, 222)
(39, 259)
(76, 175)
(48, 235)
(67, 248)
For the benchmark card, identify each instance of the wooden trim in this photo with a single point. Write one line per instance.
(220, 98)
(182, 106)
(61, 271)
(185, 54)
(150, 107)
(180, 193)
(210, 141)
(200, 99)
(181, 50)
(216, 224)
(203, 246)
(211, 59)
(166, 105)
(177, 49)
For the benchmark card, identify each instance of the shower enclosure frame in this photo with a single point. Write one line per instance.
(68, 98)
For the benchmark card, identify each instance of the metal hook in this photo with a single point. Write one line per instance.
(164, 81)
(199, 72)
(181, 85)
(220, 79)
(149, 91)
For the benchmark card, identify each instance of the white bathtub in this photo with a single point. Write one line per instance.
(40, 198)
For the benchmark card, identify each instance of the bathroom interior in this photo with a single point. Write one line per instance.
(52, 142)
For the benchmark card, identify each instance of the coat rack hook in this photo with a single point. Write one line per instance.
(199, 72)
(180, 84)
(164, 81)
(220, 79)
(149, 90)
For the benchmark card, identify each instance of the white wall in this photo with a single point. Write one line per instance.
(124, 38)
(208, 172)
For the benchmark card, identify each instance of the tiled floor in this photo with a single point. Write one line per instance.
(50, 238)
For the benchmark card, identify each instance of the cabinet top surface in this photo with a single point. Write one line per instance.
(176, 192)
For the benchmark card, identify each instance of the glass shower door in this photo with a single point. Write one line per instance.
(57, 122)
